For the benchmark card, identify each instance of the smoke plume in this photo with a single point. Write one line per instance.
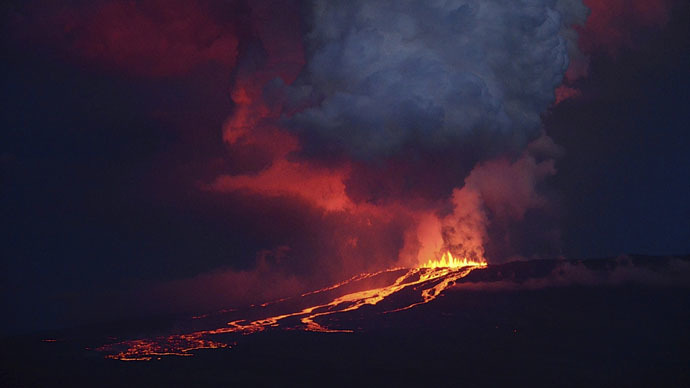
(423, 109)
(392, 77)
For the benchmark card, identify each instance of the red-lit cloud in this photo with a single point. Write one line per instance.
(612, 25)
(161, 38)
(153, 37)
(565, 92)
(322, 187)
(150, 38)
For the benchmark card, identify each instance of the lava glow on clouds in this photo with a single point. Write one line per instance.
(382, 134)
(414, 124)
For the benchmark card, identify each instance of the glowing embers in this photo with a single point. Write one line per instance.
(449, 261)
(314, 311)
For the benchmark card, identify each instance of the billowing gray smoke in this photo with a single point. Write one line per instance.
(385, 76)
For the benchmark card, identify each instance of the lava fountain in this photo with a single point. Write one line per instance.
(429, 280)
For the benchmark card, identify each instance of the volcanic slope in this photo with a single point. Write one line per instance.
(620, 322)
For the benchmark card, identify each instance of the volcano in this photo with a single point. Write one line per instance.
(536, 322)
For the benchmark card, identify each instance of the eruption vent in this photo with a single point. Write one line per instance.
(449, 261)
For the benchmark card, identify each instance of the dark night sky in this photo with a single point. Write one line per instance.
(625, 178)
(104, 167)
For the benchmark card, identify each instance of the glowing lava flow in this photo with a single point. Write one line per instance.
(430, 279)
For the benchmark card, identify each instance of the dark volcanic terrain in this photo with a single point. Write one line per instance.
(604, 322)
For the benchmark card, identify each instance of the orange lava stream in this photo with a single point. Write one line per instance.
(431, 278)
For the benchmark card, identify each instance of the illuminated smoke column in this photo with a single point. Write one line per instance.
(420, 110)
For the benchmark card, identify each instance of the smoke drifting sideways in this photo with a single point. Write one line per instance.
(610, 27)
(672, 272)
(146, 39)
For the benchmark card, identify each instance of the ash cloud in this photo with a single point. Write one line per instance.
(426, 108)
(460, 76)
